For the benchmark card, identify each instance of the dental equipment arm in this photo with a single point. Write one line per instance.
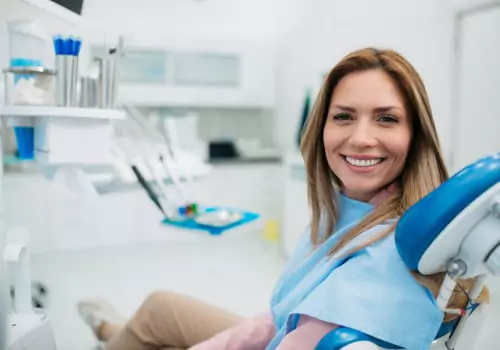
(145, 148)
(454, 229)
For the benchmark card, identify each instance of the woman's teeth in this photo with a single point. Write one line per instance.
(363, 162)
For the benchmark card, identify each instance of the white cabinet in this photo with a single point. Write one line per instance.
(195, 73)
(63, 221)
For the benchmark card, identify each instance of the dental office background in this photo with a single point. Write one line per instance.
(235, 77)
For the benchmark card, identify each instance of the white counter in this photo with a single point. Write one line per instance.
(295, 215)
(60, 221)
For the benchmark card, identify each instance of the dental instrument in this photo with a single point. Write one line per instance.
(148, 189)
(140, 152)
(167, 156)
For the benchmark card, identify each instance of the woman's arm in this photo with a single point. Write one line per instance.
(252, 334)
(307, 335)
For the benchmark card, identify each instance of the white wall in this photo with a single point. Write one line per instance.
(420, 30)
(476, 120)
(230, 19)
(20, 10)
(465, 5)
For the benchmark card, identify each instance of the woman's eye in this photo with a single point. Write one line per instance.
(388, 119)
(342, 117)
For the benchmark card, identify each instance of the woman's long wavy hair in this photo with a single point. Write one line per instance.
(424, 169)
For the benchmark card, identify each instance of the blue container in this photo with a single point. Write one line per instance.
(25, 137)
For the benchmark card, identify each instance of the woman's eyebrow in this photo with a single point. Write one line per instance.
(381, 109)
(385, 109)
(344, 108)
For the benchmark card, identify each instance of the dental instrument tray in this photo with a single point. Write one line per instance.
(214, 220)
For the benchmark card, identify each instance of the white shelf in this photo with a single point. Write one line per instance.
(61, 112)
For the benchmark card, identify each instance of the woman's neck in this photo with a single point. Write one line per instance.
(372, 198)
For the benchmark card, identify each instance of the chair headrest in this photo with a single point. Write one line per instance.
(420, 225)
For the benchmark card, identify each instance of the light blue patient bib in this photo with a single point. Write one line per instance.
(371, 291)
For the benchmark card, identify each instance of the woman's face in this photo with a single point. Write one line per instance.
(367, 133)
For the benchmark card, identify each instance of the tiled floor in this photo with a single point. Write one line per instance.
(237, 272)
(233, 271)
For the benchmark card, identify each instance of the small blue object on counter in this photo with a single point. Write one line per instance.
(214, 220)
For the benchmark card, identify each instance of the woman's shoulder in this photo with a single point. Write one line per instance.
(386, 264)
(382, 243)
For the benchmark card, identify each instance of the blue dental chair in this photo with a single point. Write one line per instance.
(460, 236)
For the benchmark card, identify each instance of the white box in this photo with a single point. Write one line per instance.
(72, 141)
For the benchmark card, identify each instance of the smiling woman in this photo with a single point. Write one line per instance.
(372, 136)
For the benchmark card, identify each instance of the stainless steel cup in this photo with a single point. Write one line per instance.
(88, 92)
(67, 77)
(61, 80)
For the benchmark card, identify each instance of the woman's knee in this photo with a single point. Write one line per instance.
(158, 302)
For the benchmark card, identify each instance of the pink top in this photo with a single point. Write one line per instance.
(257, 332)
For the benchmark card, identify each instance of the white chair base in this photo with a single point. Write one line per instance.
(30, 331)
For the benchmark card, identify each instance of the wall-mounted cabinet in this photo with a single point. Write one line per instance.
(195, 74)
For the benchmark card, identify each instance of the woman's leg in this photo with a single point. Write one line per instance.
(169, 320)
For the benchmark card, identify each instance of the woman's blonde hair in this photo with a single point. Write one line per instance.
(424, 169)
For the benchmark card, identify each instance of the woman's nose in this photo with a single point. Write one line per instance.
(363, 135)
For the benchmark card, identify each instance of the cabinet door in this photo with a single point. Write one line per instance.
(476, 127)
(141, 66)
(234, 75)
(206, 69)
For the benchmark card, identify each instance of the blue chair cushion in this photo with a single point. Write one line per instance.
(424, 221)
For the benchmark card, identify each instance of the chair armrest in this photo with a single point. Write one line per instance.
(343, 338)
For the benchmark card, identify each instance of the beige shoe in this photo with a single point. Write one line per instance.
(95, 312)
